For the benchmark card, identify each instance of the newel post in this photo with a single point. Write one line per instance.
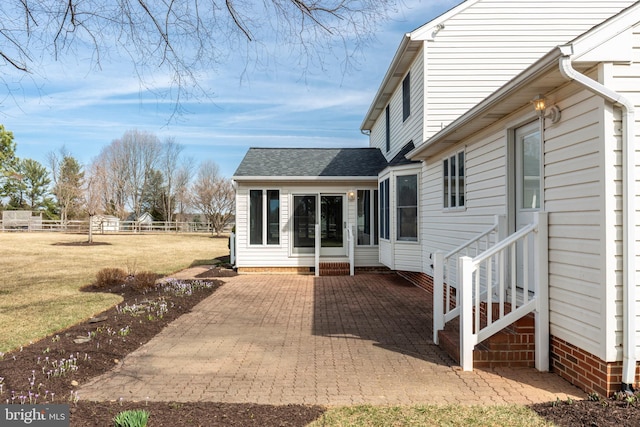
(438, 294)
(465, 287)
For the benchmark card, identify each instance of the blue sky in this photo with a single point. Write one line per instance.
(83, 110)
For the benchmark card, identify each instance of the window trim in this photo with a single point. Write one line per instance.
(455, 182)
(398, 208)
(265, 216)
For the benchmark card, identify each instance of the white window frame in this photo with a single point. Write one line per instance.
(397, 208)
(265, 217)
(454, 183)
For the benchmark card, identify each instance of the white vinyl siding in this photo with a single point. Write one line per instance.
(485, 161)
(281, 255)
(624, 79)
(574, 197)
(485, 45)
(402, 131)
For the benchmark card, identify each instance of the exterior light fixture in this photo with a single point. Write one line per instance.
(544, 111)
(351, 195)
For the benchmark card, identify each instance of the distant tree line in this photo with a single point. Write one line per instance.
(135, 173)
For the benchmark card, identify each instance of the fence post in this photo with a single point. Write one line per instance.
(542, 292)
(438, 294)
(466, 313)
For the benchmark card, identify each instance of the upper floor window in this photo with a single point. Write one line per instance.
(384, 209)
(407, 207)
(367, 217)
(453, 181)
(264, 217)
(387, 136)
(406, 97)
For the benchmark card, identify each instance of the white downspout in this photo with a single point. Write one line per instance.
(628, 211)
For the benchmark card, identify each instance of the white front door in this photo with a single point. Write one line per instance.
(528, 191)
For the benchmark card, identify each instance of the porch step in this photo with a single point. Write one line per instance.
(512, 347)
(334, 269)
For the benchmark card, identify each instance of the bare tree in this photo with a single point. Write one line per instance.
(169, 164)
(140, 154)
(182, 191)
(187, 39)
(111, 181)
(67, 176)
(94, 191)
(214, 196)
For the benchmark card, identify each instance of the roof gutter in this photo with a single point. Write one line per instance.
(629, 251)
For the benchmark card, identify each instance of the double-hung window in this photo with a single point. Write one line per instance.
(264, 217)
(453, 181)
(367, 217)
(384, 209)
(407, 207)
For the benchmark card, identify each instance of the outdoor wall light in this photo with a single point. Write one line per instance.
(351, 195)
(551, 112)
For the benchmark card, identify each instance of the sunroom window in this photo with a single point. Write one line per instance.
(407, 207)
(367, 227)
(264, 217)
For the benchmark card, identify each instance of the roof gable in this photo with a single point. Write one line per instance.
(310, 162)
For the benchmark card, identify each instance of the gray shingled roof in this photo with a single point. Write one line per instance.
(283, 162)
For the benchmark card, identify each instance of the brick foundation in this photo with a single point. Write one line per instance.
(585, 370)
(275, 270)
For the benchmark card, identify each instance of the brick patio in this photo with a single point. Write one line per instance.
(281, 339)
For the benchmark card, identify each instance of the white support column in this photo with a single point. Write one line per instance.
(352, 244)
(317, 249)
(438, 294)
(542, 293)
(466, 312)
(232, 248)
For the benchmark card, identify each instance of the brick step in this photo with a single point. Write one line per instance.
(334, 269)
(512, 347)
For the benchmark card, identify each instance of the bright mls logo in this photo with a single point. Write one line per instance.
(34, 415)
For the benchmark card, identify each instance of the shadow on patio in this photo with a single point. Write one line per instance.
(383, 308)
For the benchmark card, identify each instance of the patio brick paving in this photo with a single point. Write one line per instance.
(279, 339)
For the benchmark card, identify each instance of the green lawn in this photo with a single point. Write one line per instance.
(40, 275)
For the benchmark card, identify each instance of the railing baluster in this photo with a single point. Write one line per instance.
(514, 278)
(476, 298)
(489, 292)
(525, 269)
(501, 272)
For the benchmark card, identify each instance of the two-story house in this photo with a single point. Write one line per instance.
(459, 158)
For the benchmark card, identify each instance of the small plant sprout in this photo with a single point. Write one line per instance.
(132, 418)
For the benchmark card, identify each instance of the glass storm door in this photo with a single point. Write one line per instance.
(332, 240)
(528, 191)
(304, 223)
(330, 212)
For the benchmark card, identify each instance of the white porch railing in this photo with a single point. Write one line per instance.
(445, 279)
(489, 283)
